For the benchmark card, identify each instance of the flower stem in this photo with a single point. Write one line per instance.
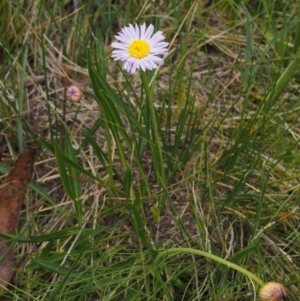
(211, 257)
(155, 147)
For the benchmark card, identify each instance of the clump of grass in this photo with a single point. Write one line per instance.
(98, 213)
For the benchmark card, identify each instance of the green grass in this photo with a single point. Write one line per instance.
(109, 194)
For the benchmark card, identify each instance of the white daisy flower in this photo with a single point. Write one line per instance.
(138, 48)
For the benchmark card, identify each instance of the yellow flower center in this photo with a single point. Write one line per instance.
(139, 49)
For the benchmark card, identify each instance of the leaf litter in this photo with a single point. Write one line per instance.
(12, 194)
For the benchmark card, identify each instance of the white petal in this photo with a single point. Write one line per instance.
(160, 44)
(142, 66)
(137, 31)
(126, 66)
(124, 40)
(121, 57)
(159, 51)
(146, 65)
(134, 67)
(152, 64)
(149, 32)
(127, 33)
(130, 33)
(156, 59)
(119, 45)
(143, 30)
(157, 38)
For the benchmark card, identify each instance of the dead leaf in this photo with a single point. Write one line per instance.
(11, 199)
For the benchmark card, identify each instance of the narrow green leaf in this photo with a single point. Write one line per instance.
(246, 73)
(62, 171)
(127, 184)
(52, 235)
(138, 224)
(55, 268)
(74, 174)
(244, 252)
(74, 178)
(20, 100)
(50, 148)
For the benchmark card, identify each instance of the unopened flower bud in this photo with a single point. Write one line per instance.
(73, 93)
(272, 291)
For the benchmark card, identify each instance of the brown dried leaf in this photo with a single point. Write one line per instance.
(11, 199)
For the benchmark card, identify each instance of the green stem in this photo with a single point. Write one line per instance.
(156, 149)
(211, 257)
